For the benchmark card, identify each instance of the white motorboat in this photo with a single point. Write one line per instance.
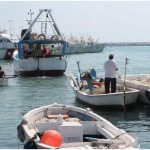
(60, 126)
(121, 99)
(31, 59)
(83, 45)
(8, 44)
(84, 48)
(140, 82)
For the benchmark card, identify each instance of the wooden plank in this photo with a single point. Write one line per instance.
(55, 116)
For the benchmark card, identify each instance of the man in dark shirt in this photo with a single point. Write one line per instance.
(2, 74)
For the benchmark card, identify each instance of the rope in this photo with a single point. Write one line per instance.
(118, 137)
(44, 65)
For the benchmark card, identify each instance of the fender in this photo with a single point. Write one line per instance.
(147, 94)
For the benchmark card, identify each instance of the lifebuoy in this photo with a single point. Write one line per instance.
(42, 36)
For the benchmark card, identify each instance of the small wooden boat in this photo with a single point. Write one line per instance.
(71, 127)
(140, 82)
(119, 99)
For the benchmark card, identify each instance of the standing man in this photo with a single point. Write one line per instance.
(2, 74)
(110, 68)
(46, 52)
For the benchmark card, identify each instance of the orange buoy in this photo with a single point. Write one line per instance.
(51, 138)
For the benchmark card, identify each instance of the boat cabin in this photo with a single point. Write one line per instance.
(41, 48)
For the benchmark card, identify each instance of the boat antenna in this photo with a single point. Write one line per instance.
(124, 83)
(30, 20)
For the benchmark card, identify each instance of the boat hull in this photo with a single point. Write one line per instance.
(6, 54)
(8, 44)
(32, 67)
(79, 125)
(81, 48)
(140, 82)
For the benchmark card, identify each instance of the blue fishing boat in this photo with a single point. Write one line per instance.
(41, 54)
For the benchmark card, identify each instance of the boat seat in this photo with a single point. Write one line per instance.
(46, 126)
(50, 125)
(76, 145)
(89, 127)
(55, 116)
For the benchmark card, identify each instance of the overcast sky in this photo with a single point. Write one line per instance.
(108, 21)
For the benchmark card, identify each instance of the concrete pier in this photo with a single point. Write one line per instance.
(127, 44)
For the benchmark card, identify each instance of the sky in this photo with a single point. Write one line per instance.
(106, 21)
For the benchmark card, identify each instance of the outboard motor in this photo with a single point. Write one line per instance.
(89, 76)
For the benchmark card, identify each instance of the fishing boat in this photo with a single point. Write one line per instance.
(41, 54)
(88, 45)
(8, 44)
(60, 126)
(121, 99)
(140, 82)
(84, 48)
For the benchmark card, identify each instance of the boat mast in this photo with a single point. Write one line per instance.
(31, 25)
(30, 21)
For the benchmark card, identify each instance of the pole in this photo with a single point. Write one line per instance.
(78, 62)
(30, 21)
(124, 86)
(79, 76)
(10, 21)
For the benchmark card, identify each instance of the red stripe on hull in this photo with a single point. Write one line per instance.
(38, 73)
(9, 54)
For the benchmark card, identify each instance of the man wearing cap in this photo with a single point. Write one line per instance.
(110, 68)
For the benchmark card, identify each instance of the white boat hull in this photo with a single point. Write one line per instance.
(79, 126)
(140, 82)
(7, 45)
(6, 54)
(119, 99)
(81, 48)
(50, 66)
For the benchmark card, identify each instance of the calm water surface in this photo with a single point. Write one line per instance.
(24, 94)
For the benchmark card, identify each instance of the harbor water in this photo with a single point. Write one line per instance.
(24, 94)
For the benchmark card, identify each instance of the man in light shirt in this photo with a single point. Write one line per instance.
(110, 68)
